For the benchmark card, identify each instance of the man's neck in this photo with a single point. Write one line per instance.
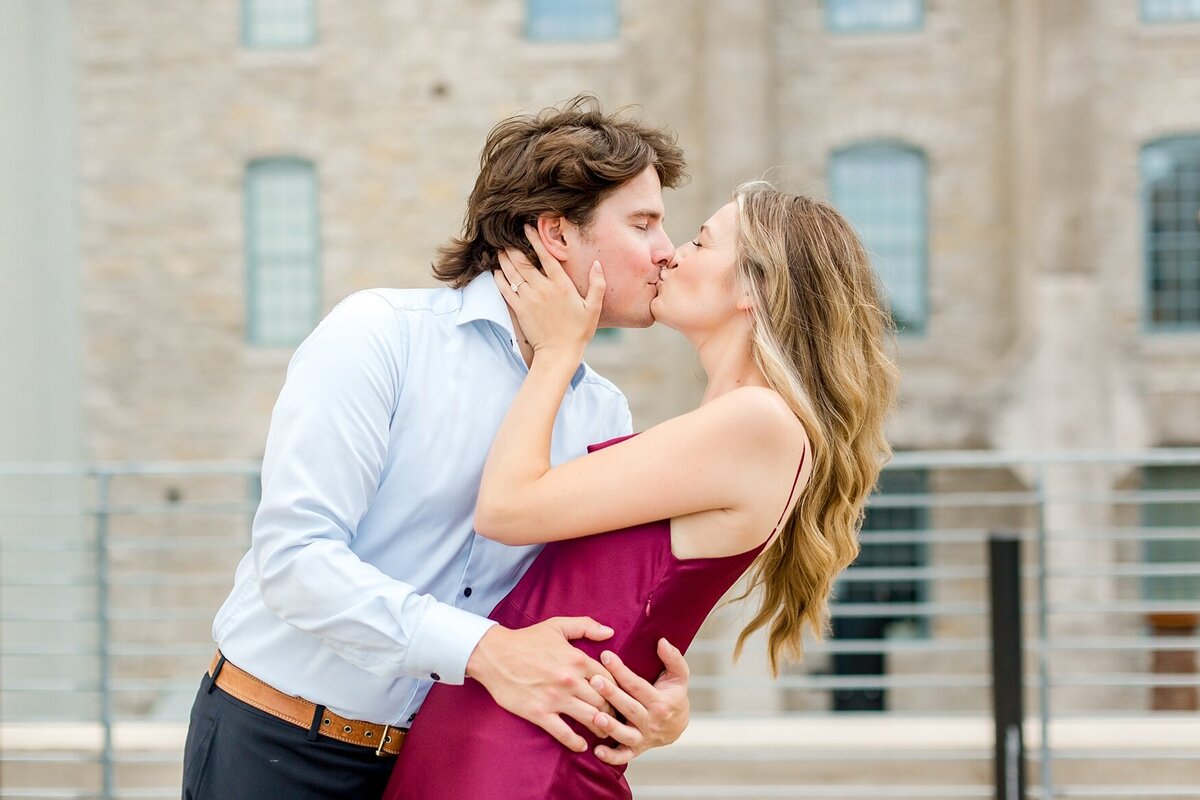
(519, 335)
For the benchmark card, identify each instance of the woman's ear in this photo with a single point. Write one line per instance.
(745, 303)
(552, 229)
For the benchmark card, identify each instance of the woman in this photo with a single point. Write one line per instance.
(778, 297)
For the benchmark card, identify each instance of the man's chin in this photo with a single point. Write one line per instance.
(645, 322)
(633, 320)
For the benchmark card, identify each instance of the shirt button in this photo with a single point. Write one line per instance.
(435, 676)
(467, 592)
(411, 717)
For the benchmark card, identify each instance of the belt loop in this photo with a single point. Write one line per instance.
(216, 671)
(315, 728)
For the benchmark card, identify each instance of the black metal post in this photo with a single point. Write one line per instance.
(1008, 685)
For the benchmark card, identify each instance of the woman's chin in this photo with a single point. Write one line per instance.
(661, 316)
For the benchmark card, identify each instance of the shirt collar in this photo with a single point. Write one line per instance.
(481, 300)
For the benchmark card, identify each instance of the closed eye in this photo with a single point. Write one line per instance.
(696, 242)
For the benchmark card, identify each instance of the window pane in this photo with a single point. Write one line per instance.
(1170, 10)
(873, 16)
(279, 24)
(904, 522)
(571, 20)
(1180, 514)
(283, 293)
(1171, 228)
(881, 190)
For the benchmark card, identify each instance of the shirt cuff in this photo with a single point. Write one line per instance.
(443, 644)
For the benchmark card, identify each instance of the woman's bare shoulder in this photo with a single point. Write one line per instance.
(762, 416)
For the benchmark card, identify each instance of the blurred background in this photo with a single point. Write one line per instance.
(188, 186)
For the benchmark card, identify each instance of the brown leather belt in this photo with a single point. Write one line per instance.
(383, 739)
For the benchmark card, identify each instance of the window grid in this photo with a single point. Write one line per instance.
(909, 520)
(1170, 10)
(1171, 220)
(881, 190)
(571, 20)
(1175, 515)
(283, 293)
(873, 16)
(279, 24)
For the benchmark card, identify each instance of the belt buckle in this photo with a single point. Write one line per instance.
(382, 739)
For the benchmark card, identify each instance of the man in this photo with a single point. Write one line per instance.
(365, 581)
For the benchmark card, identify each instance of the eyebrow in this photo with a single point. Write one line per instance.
(703, 230)
(648, 213)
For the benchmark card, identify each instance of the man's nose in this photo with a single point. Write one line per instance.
(664, 251)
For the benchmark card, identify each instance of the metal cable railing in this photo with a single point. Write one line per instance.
(110, 576)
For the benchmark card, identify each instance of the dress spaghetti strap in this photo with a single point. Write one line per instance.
(795, 482)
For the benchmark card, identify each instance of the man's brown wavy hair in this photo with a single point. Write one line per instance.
(564, 160)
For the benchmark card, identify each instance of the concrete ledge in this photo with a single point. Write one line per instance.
(826, 733)
(886, 732)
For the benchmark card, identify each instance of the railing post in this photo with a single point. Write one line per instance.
(1046, 760)
(1004, 572)
(103, 633)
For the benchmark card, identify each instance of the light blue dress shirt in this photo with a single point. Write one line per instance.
(365, 580)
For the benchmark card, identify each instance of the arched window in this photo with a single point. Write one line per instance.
(283, 268)
(1171, 232)
(279, 24)
(571, 20)
(881, 188)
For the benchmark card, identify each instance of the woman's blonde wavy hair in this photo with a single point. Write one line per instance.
(821, 336)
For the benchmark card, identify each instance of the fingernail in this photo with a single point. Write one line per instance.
(596, 266)
(597, 682)
(602, 720)
(605, 657)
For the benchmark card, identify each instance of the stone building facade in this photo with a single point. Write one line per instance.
(1030, 117)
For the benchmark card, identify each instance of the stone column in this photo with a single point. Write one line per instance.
(40, 328)
(740, 96)
(1066, 385)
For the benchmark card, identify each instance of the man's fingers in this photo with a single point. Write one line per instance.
(587, 693)
(582, 628)
(672, 658)
(560, 730)
(626, 678)
(614, 755)
(585, 715)
(626, 706)
(623, 734)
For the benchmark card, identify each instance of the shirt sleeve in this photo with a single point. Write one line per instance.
(326, 450)
(622, 424)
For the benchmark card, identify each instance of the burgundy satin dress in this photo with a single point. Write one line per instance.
(462, 745)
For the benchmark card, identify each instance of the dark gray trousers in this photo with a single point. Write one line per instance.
(236, 752)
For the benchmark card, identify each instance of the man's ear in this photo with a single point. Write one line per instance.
(552, 229)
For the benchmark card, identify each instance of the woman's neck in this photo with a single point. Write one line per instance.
(728, 361)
